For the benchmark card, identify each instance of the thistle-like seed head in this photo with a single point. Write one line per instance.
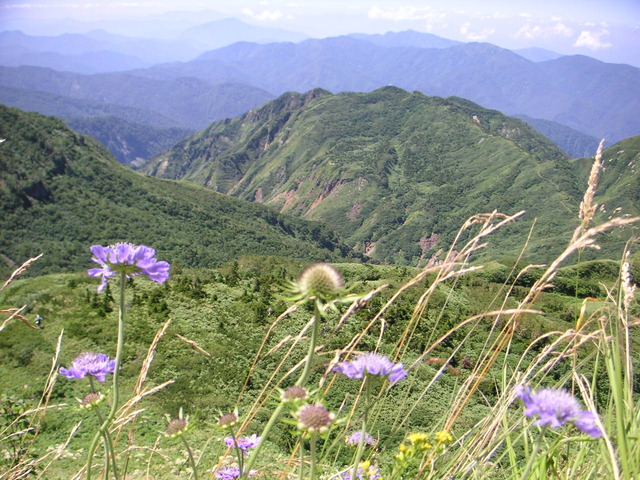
(314, 418)
(320, 280)
(294, 393)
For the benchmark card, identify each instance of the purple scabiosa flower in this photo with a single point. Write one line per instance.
(230, 473)
(555, 408)
(354, 439)
(243, 443)
(129, 259)
(90, 363)
(372, 364)
(365, 471)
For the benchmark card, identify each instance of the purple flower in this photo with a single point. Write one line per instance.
(557, 407)
(230, 473)
(243, 443)
(354, 439)
(365, 471)
(372, 364)
(90, 363)
(129, 259)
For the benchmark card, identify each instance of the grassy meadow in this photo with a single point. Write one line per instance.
(208, 343)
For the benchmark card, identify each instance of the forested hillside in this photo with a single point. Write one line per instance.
(62, 192)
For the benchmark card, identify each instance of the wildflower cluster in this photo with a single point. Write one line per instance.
(227, 420)
(231, 473)
(373, 364)
(97, 365)
(557, 407)
(294, 394)
(91, 400)
(355, 438)
(366, 471)
(243, 443)
(128, 259)
(178, 426)
(418, 444)
(313, 419)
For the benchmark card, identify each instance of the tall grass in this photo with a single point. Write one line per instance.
(503, 444)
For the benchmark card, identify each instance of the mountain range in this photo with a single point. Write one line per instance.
(395, 173)
(592, 98)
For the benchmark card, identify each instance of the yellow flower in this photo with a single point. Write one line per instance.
(443, 437)
(402, 448)
(415, 438)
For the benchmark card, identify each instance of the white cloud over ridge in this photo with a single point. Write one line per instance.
(476, 36)
(593, 40)
(530, 31)
(406, 13)
(265, 15)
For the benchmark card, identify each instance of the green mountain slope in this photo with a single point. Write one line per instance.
(128, 142)
(619, 184)
(395, 173)
(574, 143)
(61, 192)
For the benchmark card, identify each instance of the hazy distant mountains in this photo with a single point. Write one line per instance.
(99, 51)
(592, 98)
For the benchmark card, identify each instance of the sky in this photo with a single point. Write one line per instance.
(605, 29)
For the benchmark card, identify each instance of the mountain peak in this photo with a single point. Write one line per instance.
(384, 168)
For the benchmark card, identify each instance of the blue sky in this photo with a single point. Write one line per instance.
(608, 30)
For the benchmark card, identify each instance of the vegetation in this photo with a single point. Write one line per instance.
(188, 102)
(213, 344)
(128, 142)
(224, 339)
(573, 143)
(61, 192)
(393, 172)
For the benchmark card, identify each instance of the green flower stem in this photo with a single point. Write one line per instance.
(315, 329)
(360, 450)
(108, 442)
(108, 445)
(239, 452)
(312, 452)
(304, 376)
(301, 468)
(116, 393)
(191, 460)
(534, 453)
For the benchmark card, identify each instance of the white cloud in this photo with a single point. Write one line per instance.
(561, 29)
(406, 13)
(265, 15)
(476, 36)
(593, 40)
(529, 31)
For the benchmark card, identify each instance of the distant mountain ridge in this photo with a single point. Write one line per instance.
(593, 97)
(573, 143)
(189, 102)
